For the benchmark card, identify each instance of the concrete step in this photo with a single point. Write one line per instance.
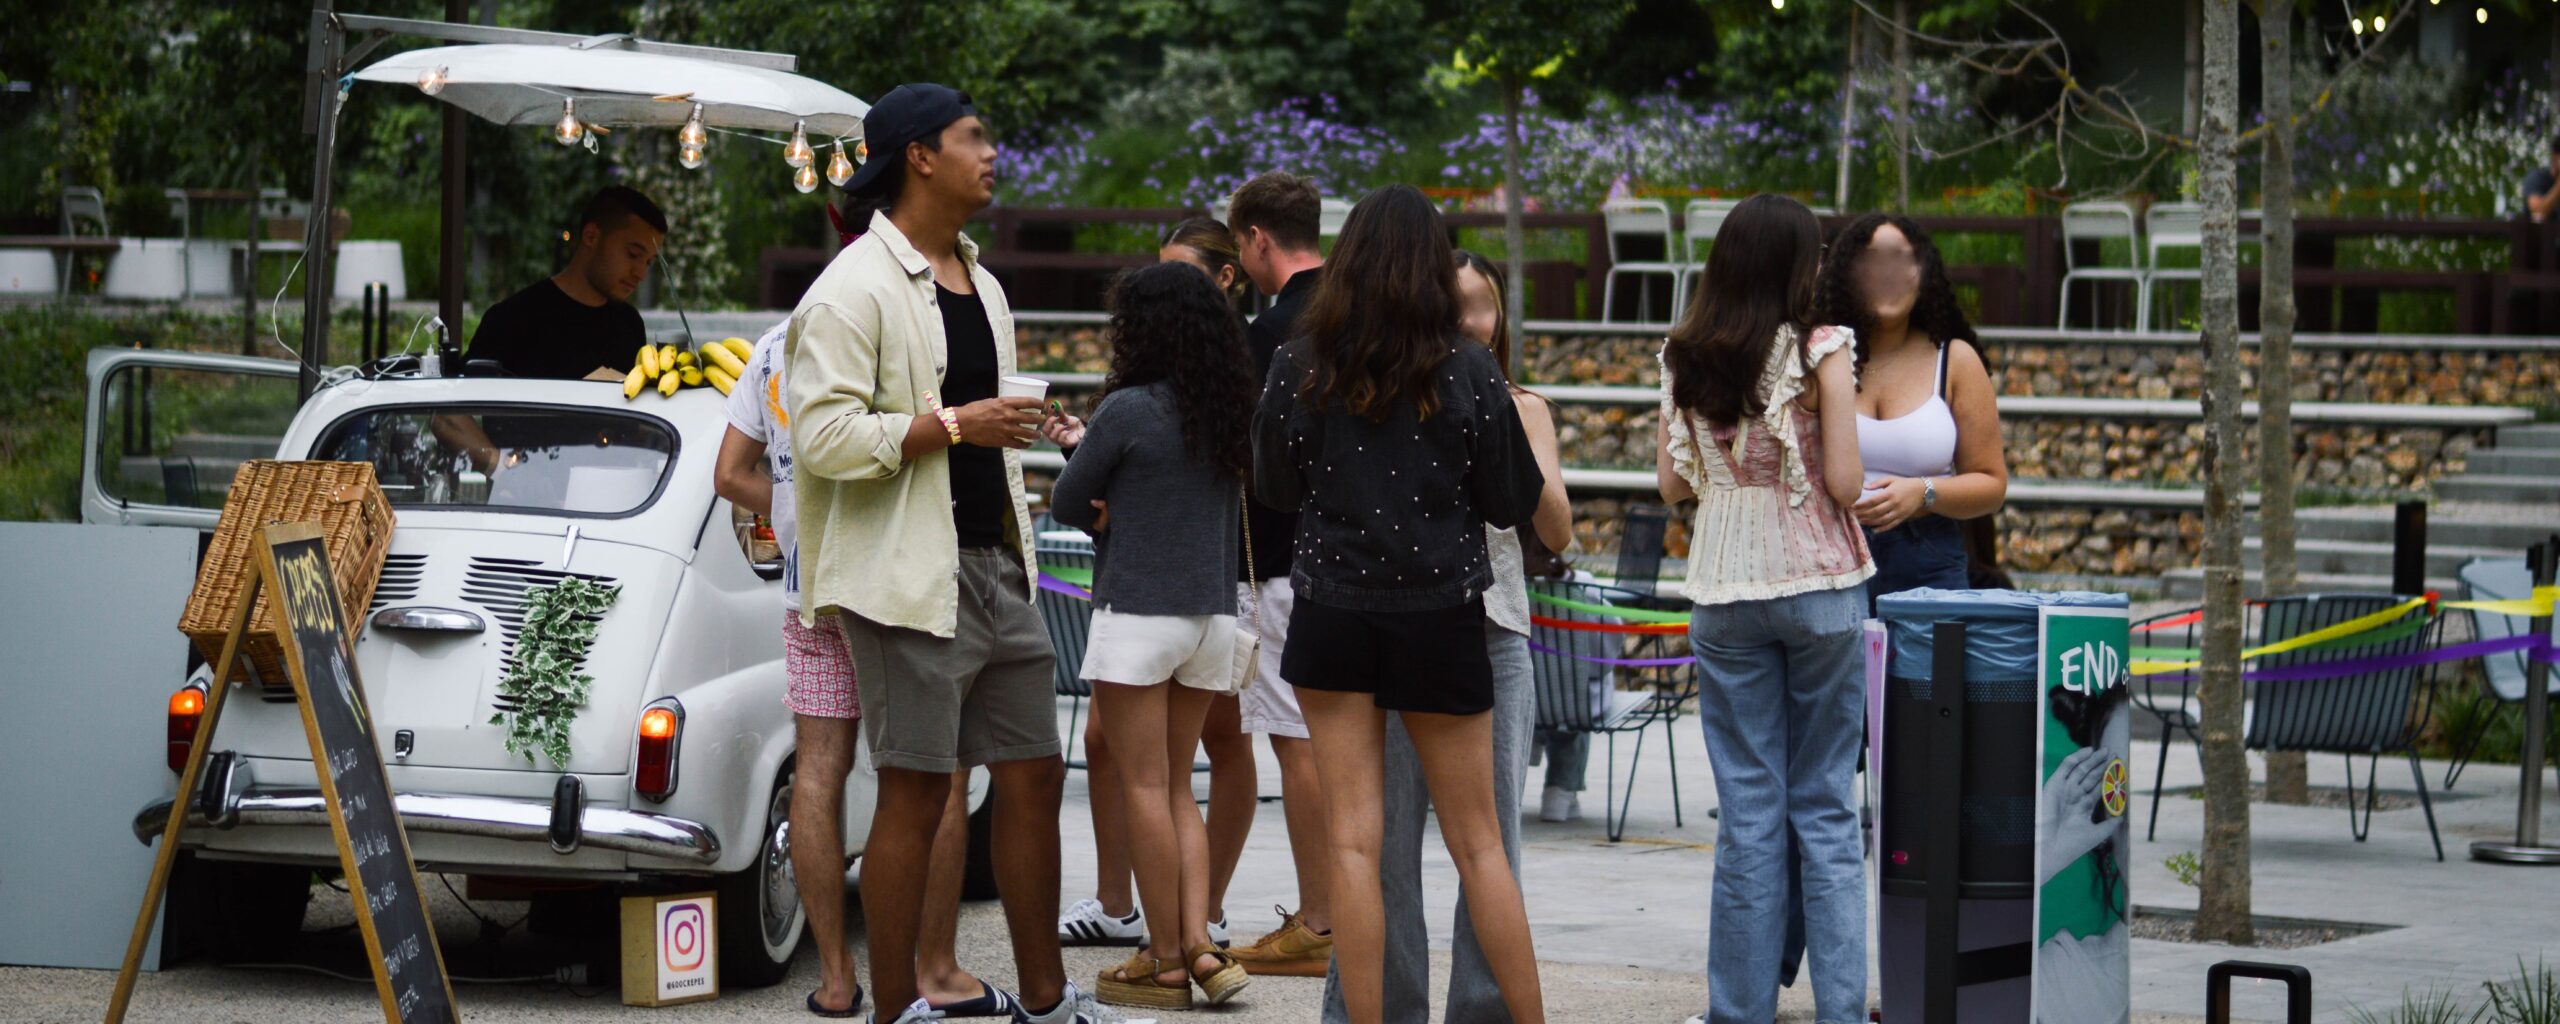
(2365, 558)
(2536, 462)
(2507, 528)
(2526, 489)
(2538, 435)
(2188, 584)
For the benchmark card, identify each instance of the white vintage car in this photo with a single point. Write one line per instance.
(680, 766)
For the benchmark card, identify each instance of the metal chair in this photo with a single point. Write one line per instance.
(1641, 545)
(2502, 675)
(2100, 223)
(2369, 713)
(84, 213)
(1069, 620)
(2172, 228)
(2172, 701)
(1566, 701)
(1637, 219)
(1699, 222)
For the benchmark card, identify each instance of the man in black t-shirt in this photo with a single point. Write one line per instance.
(578, 323)
(2542, 187)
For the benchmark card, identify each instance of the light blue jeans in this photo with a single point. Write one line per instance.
(1780, 699)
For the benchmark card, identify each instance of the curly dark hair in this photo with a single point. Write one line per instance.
(1383, 317)
(1170, 323)
(1759, 287)
(1935, 312)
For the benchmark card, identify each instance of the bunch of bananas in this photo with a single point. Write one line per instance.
(720, 366)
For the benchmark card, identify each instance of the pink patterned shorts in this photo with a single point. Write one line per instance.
(819, 669)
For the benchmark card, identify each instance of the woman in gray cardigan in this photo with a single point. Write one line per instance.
(1157, 479)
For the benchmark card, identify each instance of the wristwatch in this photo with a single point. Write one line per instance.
(1928, 492)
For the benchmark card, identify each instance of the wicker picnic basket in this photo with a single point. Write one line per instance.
(354, 518)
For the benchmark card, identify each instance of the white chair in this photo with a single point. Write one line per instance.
(1638, 218)
(1699, 222)
(84, 213)
(2172, 228)
(360, 263)
(2103, 222)
(1330, 216)
(147, 268)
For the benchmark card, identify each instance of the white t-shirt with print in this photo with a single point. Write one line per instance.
(756, 409)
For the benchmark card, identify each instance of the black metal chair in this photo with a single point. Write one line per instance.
(2502, 676)
(1563, 693)
(2370, 713)
(178, 481)
(1069, 620)
(1641, 545)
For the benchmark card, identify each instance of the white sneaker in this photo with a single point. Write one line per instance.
(1078, 1007)
(915, 1012)
(1560, 805)
(1218, 933)
(1087, 924)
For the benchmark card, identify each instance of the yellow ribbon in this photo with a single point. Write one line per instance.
(2324, 634)
(2529, 607)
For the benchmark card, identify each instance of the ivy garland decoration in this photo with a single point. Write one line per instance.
(542, 679)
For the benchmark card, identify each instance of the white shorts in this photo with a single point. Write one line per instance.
(1270, 705)
(1197, 651)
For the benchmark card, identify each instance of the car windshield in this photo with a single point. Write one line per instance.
(539, 459)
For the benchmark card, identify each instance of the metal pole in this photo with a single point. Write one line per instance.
(453, 251)
(2409, 548)
(249, 274)
(320, 118)
(2217, 989)
(2528, 849)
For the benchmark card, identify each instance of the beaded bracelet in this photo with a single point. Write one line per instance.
(950, 420)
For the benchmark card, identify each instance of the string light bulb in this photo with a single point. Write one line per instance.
(568, 131)
(798, 153)
(2480, 15)
(431, 81)
(806, 178)
(692, 134)
(2377, 23)
(839, 169)
(1777, 5)
(690, 157)
(2356, 23)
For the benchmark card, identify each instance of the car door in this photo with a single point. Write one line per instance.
(165, 431)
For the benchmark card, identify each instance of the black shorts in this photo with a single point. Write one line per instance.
(1429, 661)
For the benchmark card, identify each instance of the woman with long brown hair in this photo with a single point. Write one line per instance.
(1396, 439)
(1759, 408)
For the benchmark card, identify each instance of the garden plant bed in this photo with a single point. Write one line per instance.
(2169, 924)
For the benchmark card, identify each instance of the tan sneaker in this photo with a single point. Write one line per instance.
(1294, 951)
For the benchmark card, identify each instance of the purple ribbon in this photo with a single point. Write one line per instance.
(1619, 662)
(2539, 646)
(1055, 585)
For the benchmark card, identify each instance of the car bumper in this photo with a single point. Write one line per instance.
(605, 828)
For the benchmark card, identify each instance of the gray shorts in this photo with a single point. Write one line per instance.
(984, 695)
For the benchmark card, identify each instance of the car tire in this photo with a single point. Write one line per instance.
(761, 920)
(978, 880)
(256, 909)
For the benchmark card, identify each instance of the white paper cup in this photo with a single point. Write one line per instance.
(1022, 387)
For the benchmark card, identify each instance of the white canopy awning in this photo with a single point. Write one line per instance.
(525, 84)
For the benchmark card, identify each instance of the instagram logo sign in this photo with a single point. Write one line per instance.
(687, 962)
(680, 936)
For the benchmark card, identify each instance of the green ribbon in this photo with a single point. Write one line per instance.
(1077, 575)
(1643, 615)
(2371, 638)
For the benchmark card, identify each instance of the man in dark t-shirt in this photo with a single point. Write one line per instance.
(579, 323)
(2542, 187)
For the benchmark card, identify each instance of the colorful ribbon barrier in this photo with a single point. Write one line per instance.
(2172, 664)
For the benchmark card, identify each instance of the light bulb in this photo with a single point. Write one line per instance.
(2357, 24)
(798, 153)
(431, 81)
(568, 131)
(839, 169)
(2377, 23)
(1777, 5)
(690, 157)
(692, 134)
(805, 179)
(2480, 14)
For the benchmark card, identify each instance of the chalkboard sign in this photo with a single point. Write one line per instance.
(390, 909)
(408, 969)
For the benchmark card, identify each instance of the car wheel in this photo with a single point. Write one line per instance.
(978, 882)
(257, 908)
(761, 919)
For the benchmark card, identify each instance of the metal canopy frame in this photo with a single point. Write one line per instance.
(338, 43)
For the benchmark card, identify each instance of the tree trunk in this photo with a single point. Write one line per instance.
(2288, 773)
(2195, 68)
(2222, 909)
(1514, 248)
(1848, 114)
(1902, 106)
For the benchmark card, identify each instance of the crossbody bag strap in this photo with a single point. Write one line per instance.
(1253, 576)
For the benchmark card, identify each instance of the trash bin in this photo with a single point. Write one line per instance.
(1993, 812)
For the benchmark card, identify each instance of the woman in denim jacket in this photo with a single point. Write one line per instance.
(1395, 438)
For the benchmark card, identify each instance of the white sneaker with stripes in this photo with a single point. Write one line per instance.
(1087, 924)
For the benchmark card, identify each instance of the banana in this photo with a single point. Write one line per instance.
(692, 376)
(727, 361)
(648, 362)
(684, 359)
(669, 382)
(631, 385)
(719, 379)
(666, 358)
(741, 347)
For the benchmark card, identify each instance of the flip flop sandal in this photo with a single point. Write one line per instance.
(1221, 982)
(853, 1009)
(990, 1002)
(1134, 983)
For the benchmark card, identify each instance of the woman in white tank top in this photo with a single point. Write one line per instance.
(1928, 423)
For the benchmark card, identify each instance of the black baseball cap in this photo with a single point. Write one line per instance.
(914, 112)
